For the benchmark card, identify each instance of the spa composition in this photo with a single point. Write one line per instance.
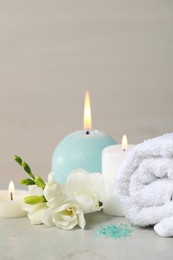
(145, 185)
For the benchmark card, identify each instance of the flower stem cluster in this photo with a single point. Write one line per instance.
(33, 180)
(64, 206)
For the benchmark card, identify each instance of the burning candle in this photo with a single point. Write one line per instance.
(112, 158)
(80, 149)
(11, 202)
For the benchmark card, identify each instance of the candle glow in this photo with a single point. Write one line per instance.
(11, 189)
(124, 144)
(87, 113)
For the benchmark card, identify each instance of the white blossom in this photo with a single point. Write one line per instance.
(86, 188)
(63, 213)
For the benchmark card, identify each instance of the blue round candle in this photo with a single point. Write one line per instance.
(79, 149)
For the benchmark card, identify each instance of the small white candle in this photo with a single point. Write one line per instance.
(112, 158)
(11, 202)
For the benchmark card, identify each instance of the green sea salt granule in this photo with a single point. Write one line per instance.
(114, 231)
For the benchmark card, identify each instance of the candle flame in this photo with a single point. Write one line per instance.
(11, 187)
(124, 144)
(87, 113)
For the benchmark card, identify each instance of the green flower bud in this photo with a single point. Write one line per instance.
(32, 200)
(17, 159)
(39, 182)
(27, 182)
(26, 167)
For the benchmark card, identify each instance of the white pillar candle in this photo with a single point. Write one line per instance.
(11, 202)
(112, 158)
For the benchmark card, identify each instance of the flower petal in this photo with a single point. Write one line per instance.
(51, 177)
(66, 225)
(47, 217)
(81, 220)
(68, 215)
(35, 213)
(57, 201)
(86, 188)
(86, 203)
(52, 190)
(76, 182)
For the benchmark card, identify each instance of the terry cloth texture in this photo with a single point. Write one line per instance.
(144, 185)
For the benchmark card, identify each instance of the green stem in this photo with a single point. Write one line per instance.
(24, 165)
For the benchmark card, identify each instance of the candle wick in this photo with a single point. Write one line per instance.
(87, 132)
(124, 150)
(11, 195)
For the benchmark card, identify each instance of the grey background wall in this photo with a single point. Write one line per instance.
(51, 52)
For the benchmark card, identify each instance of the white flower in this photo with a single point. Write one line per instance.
(52, 190)
(66, 204)
(35, 212)
(63, 213)
(86, 188)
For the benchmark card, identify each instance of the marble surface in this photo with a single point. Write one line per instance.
(21, 240)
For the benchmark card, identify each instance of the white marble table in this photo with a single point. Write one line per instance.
(21, 240)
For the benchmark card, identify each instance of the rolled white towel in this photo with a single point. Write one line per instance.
(144, 185)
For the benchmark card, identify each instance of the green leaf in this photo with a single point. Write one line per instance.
(32, 200)
(39, 182)
(27, 182)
